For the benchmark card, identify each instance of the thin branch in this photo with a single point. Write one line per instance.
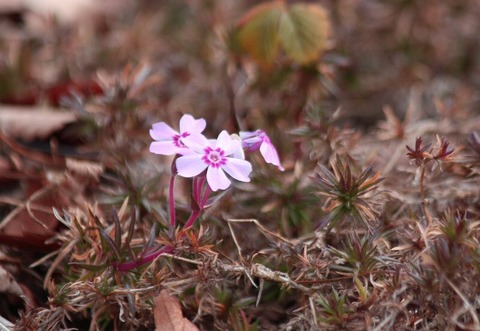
(423, 196)
(259, 270)
(239, 249)
(262, 229)
(467, 304)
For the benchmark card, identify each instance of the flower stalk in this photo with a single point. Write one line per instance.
(171, 201)
(423, 156)
(423, 196)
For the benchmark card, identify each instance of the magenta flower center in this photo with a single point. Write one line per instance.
(214, 157)
(177, 139)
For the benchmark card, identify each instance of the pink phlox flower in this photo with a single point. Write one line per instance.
(258, 140)
(170, 142)
(217, 157)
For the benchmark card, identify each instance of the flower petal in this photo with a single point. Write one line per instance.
(162, 131)
(238, 169)
(196, 142)
(223, 139)
(250, 136)
(239, 154)
(190, 165)
(191, 125)
(229, 145)
(164, 148)
(251, 140)
(185, 151)
(270, 154)
(217, 180)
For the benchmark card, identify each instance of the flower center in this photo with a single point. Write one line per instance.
(177, 139)
(214, 157)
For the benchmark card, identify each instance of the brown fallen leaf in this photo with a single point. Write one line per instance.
(7, 6)
(87, 169)
(168, 314)
(8, 285)
(68, 12)
(32, 222)
(13, 292)
(32, 154)
(30, 123)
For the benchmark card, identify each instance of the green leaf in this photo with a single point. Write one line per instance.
(258, 33)
(303, 32)
(300, 30)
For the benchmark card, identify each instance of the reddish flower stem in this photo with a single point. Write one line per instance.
(206, 195)
(193, 217)
(171, 202)
(201, 204)
(197, 187)
(127, 266)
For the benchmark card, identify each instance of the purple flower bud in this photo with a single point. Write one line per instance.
(258, 140)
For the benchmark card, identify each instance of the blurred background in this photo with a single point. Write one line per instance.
(378, 51)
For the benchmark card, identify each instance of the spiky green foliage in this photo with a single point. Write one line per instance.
(347, 194)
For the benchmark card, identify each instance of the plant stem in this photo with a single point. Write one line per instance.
(423, 196)
(199, 200)
(208, 190)
(197, 187)
(127, 266)
(193, 217)
(171, 201)
(201, 204)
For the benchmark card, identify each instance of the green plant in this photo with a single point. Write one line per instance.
(347, 194)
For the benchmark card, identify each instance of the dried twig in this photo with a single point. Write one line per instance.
(468, 306)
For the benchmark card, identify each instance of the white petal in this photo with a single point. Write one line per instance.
(239, 154)
(238, 169)
(196, 142)
(223, 139)
(164, 148)
(229, 145)
(191, 125)
(162, 131)
(190, 165)
(217, 180)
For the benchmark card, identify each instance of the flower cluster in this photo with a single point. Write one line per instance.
(208, 162)
(217, 158)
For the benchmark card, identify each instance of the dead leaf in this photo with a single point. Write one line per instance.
(8, 285)
(32, 222)
(32, 154)
(65, 12)
(14, 292)
(168, 314)
(85, 168)
(72, 11)
(7, 6)
(30, 123)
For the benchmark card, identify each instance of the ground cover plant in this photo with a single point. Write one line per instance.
(239, 165)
